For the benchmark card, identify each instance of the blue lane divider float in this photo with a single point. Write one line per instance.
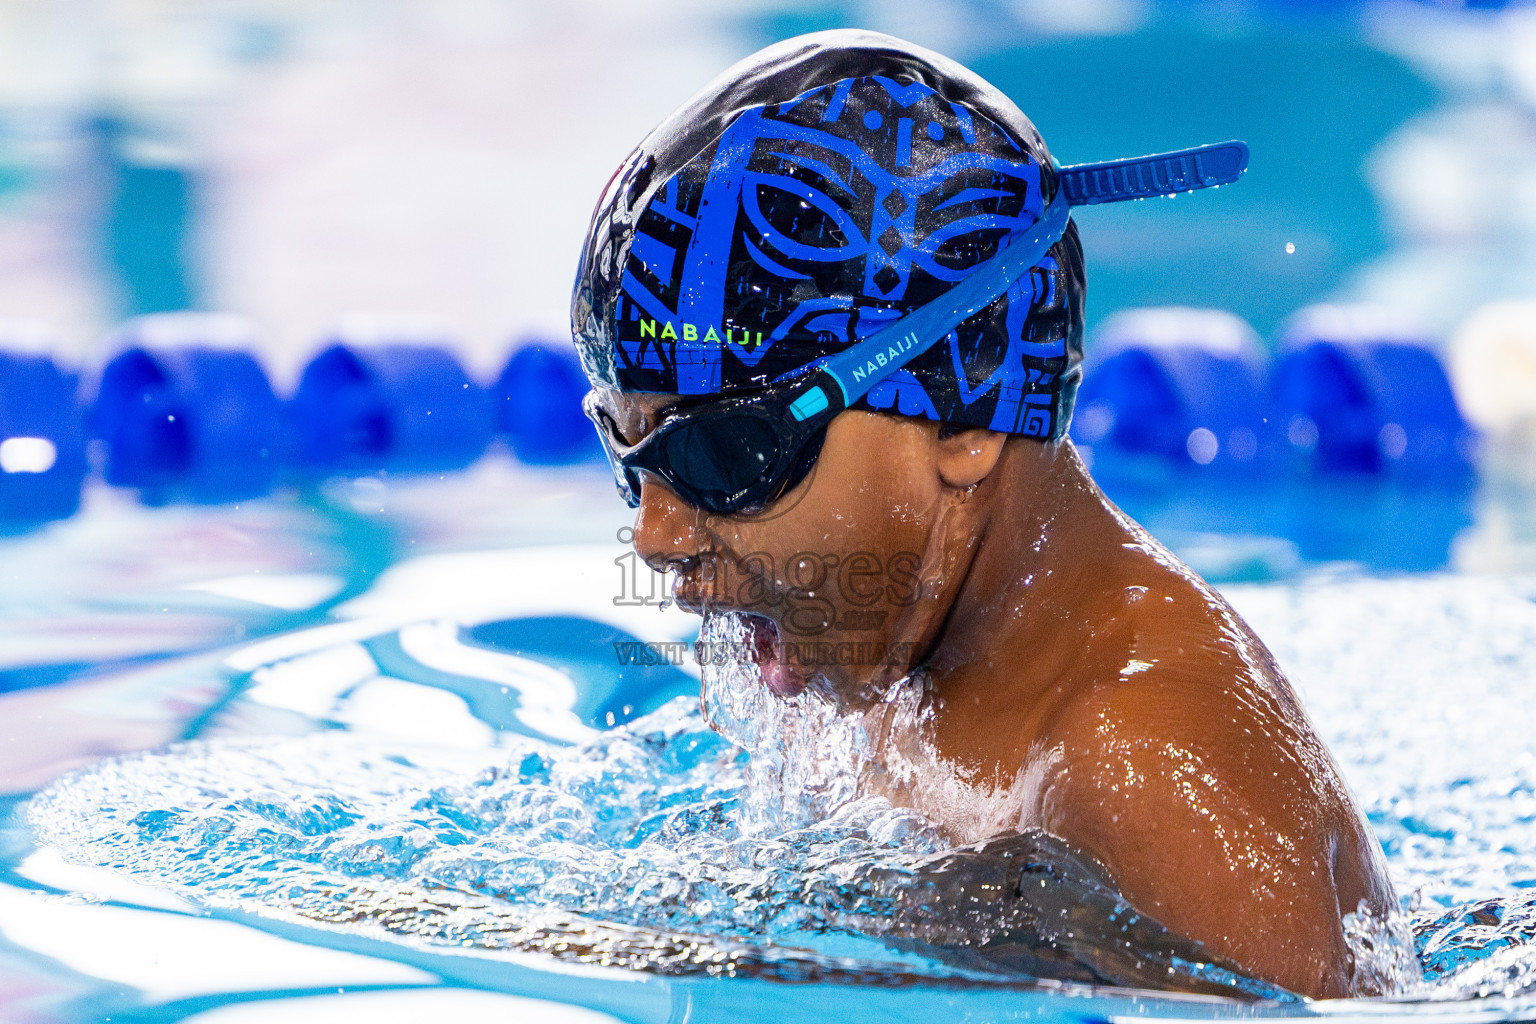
(401, 406)
(1176, 387)
(42, 440)
(1355, 392)
(538, 406)
(183, 413)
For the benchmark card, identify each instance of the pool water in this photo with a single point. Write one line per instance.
(377, 749)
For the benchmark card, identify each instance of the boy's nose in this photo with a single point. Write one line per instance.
(666, 527)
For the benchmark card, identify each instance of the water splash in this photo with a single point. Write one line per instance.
(1382, 954)
(812, 753)
(632, 850)
(807, 755)
(625, 850)
(771, 846)
(1479, 949)
(785, 843)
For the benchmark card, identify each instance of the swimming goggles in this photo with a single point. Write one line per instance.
(739, 454)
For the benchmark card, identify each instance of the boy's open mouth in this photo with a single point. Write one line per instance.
(766, 649)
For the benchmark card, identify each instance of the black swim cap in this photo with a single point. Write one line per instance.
(812, 194)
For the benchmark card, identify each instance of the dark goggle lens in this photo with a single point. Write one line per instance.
(719, 459)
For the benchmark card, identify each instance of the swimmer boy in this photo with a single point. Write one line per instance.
(832, 311)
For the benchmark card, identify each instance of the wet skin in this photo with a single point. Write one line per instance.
(1069, 654)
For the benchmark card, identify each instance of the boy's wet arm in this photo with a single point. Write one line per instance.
(1229, 844)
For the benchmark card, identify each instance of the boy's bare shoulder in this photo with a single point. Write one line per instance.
(1191, 773)
(1199, 716)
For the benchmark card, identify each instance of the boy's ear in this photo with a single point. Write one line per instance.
(966, 456)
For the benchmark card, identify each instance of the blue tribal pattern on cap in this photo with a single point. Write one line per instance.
(810, 224)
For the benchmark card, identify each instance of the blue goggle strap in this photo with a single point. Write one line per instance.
(860, 367)
(1162, 174)
(842, 379)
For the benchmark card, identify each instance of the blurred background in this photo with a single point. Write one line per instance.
(290, 439)
(421, 171)
(296, 161)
